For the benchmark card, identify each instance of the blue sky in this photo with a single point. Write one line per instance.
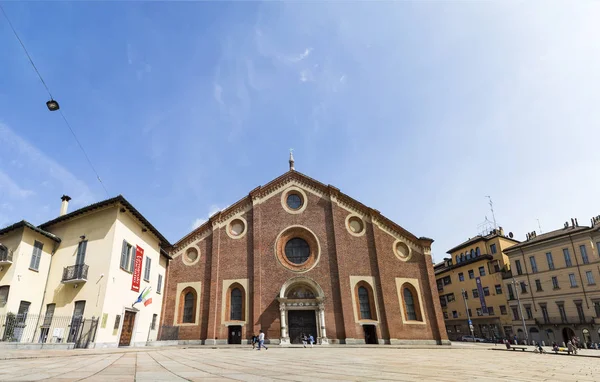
(417, 109)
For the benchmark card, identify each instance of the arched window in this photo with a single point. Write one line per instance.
(472, 253)
(236, 305)
(364, 303)
(412, 309)
(477, 252)
(187, 306)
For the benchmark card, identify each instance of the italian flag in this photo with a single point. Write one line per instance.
(147, 301)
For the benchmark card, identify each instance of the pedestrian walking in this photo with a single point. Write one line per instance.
(570, 347)
(254, 340)
(311, 340)
(261, 340)
(304, 339)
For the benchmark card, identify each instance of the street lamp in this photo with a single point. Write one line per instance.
(52, 105)
(521, 310)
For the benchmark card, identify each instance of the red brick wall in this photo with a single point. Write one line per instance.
(342, 255)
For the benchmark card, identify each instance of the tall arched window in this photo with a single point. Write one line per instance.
(457, 259)
(412, 310)
(477, 252)
(236, 305)
(364, 304)
(187, 306)
(472, 253)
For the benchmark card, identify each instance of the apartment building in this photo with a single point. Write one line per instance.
(555, 277)
(471, 288)
(81, 275)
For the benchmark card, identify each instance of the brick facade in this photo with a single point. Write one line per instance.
(341, 259)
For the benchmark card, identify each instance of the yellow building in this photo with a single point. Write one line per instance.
(74, 280)
(476, 267)
(556, 275)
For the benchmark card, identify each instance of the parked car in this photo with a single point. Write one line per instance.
(471, 339)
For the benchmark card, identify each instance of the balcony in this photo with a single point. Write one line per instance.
(6, 257)
(571, 320)
(75, 274)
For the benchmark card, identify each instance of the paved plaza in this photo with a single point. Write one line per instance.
(456, 363)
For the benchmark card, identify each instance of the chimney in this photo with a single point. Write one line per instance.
(501, 231)
(576, 223)
(64, 205)
(572, 222)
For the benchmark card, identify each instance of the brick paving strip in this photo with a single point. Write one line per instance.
(295, 364)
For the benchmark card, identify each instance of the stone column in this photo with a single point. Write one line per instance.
(285, 340)
(324, 340)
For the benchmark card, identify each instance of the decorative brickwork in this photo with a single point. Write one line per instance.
(322, 285)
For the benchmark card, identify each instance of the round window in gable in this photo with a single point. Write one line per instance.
(191, 256)
(236, 227)
(355, 224)
(402, 251)
(294, 201)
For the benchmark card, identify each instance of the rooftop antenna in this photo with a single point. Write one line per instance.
(540, 226)
(492, 209)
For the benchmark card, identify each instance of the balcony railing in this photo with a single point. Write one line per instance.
(566, 320)
(6, 257)
(75, 274)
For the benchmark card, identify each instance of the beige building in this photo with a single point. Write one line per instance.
(556, 275)
(76, 279)
(477, 267)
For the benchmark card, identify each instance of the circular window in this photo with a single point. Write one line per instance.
(294, 201)
(355, 225)
(297, 251)
(402, 250)
(236, 227)
(191, 256)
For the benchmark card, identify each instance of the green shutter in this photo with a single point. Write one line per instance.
(124, 255)
(132, 262)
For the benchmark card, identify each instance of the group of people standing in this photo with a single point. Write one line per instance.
(260, 340)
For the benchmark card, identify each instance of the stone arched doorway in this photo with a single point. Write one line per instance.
(534, 335)
(302, 311)
(567, 333)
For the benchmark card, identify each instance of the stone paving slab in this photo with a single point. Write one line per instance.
(461, 363)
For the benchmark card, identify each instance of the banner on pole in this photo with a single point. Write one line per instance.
(481, 296)
(137, 269)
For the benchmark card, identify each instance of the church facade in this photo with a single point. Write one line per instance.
(297, 257)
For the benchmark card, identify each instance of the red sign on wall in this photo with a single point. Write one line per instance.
(137, 269)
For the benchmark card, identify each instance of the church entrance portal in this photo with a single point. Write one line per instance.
(370, 334)
(235, 335)
(302, 322)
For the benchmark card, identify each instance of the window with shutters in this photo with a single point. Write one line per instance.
(4, 295)
(159, 284)
(36, 256)
(147, 269)
(127, 257)
(80, 260)
(49, 314)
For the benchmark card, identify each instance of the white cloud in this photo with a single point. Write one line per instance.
(213, 209)
(299, 57)
(38, 168)
(306, 75)
(197, 223)
(11, 189)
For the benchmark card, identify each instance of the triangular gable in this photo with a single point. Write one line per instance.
(272, 188)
